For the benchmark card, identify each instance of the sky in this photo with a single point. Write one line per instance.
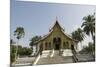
(37, 18)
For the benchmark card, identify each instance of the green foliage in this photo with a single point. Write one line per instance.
(19, 32)
(78, 35)
(34, 40)
(89, 25)
(88, 49)
(22, 51)
(12, 53)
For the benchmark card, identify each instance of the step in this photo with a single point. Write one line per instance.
(45, 53)
(55, 60)
(67, 52)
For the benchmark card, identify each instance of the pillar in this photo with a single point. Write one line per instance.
(43, 45)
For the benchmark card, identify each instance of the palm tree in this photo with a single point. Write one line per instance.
(89, 26)
(19, 33)
(78, 35)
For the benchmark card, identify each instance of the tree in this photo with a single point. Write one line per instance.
(19, 33)
(34, 40)
(78, 35)
(28, 51)
(88, 26)
(12, 53)
(24, 51)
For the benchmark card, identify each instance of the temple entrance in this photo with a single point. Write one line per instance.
(57, 43)
(56, 46)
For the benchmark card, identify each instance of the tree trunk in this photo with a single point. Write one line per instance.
(16, 50)
(93, 47)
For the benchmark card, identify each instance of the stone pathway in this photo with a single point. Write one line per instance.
(85, 58)
(25, 61)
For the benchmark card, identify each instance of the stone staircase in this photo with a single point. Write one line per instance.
(56, 53)
(45, 53)
(56, 59)
(67, 52)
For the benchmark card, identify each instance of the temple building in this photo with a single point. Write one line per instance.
(56, 41)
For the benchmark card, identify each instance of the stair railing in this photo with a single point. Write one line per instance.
(75, 59)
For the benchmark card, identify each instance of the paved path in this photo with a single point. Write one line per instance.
(25, 61)
(85, 57)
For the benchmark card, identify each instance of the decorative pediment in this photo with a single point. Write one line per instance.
(56, 25)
